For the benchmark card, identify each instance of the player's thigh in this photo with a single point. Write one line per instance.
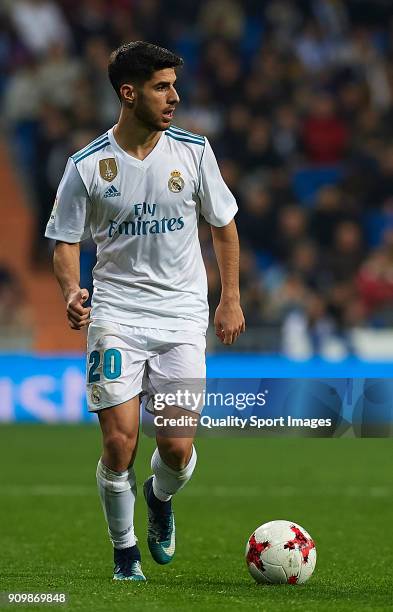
(175, 427)
(121, 420)
(177, 374)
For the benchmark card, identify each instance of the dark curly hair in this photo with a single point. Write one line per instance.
(137, 61)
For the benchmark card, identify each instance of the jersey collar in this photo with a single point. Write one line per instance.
(139, 163)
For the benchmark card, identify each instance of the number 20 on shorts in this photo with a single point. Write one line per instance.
(111, 365)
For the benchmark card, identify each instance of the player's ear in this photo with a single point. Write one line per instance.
(127, 93)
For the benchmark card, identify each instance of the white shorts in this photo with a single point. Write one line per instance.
(124, 361)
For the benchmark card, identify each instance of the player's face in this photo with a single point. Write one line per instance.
(156, 100)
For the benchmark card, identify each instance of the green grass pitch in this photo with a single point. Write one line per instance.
(53, 536)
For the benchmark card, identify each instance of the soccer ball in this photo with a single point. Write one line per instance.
(281, 552)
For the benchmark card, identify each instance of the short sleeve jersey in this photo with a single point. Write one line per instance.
(143, 217)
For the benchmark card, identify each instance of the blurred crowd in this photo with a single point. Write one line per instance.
(297, 101)
(16, 324)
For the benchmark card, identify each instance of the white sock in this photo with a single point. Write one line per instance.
(117, 492)
(167, 481)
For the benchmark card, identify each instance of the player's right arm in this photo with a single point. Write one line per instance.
(66, 268)
(68, 225)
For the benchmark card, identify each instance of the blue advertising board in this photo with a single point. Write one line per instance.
(51, 389)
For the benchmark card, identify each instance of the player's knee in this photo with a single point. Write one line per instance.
(175, 452)
(120, 448)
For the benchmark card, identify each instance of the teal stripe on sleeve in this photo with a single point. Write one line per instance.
(182, 132)
(93, 144)
(201, 143)
(91, 151)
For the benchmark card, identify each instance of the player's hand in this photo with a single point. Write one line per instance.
(229, 321)
(78, 316)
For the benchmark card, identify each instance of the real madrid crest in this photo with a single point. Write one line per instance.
(95, 394)
(108, 169)
(176, 181)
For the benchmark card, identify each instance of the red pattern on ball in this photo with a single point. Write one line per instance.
(254, 552)
(301, 542)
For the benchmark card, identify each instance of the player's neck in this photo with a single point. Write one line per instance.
(133, 137)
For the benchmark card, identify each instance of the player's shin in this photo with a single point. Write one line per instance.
(166, 480)
(117, 492)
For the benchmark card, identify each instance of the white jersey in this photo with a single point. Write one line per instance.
(143, 217)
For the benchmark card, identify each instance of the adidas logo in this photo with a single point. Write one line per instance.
(111, 192)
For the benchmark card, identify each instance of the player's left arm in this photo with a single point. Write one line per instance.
(229, 319)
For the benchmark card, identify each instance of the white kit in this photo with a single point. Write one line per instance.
(143, 217)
